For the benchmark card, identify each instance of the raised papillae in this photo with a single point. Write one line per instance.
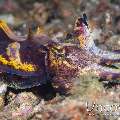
(36, 59)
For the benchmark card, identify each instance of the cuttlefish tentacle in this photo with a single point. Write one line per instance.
(103, 72)
(105, 55)
(86, 62)
(108, 61)
(86, 38)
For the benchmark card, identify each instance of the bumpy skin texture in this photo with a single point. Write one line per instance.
(55, 62)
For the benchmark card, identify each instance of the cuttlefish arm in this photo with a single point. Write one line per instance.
(85, 37)
(105, 55)
(103, 72)
(85, 63)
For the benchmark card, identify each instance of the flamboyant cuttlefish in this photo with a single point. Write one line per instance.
(36, 59)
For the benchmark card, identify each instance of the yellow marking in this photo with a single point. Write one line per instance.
(2, 102)
(17, 65)
(14, 53)
(68, 65)
(5, 28)
(92, 24)
(56, 62)
(40, 30)
(59, 47)
(81, 39)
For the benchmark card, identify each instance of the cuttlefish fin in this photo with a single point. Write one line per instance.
(5, 28)
(7, 34)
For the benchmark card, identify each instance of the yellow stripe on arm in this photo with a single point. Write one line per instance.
(5, 28)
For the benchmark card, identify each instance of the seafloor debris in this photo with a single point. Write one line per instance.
(64, 61)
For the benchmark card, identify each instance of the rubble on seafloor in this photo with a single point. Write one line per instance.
(84, 102)
(57, 17)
